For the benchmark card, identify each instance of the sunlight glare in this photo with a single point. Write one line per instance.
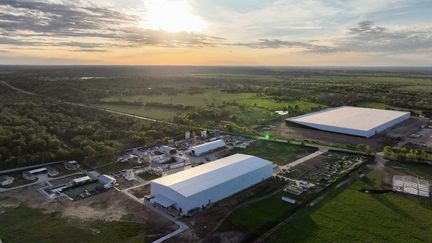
(171, 16)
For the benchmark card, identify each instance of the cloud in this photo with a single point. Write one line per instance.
(371, 38)
(277, 43)
(272, 43)
(83, 25)
(365, 37)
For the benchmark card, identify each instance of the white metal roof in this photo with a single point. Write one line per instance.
(203, 148)
(38, 170)
(358, 118)
(200, 178)
(104, 179)
(81, 179)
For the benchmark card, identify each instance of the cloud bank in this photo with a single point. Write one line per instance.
(90, 27)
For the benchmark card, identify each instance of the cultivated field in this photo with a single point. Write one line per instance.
(355, 216)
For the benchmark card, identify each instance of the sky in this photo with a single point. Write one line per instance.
(217, 32)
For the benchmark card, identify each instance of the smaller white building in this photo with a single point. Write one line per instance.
(81, 180)
(161, 159)
(107, 181)
(207, 147)
(6, 180)
(167, 150)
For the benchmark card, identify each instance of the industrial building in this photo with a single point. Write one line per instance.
(195, 188)
(356, 121)
(32, 174)
(167, 150)
(207, 147)
(81, 180)
(107, 181)
(411, 185)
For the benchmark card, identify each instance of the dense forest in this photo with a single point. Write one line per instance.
(35, 130)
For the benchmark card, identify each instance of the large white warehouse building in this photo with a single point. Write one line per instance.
(199, 186)
(357, 121)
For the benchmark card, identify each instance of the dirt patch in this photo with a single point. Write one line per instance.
(141, 191)
(377, 142)
(205, 223)
(108, 206)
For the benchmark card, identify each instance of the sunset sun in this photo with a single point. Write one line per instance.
(171, 16)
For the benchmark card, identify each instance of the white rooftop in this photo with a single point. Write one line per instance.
(200, 178)
(81, 179)
(205, 147)
(357, 118)
(38, 170)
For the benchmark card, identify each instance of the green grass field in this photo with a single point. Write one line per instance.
(148, 176)
(416, 169)
(279, 153)
(197, 100)
(151, 112)
(259, 109)
(354, 216)
(423, 88)
(378, 105)
(25, 224)
(270, 104)
(255, 217)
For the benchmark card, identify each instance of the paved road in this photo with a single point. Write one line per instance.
(302, 160)
(17, 89)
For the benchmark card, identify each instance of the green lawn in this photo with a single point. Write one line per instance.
(278, 153)
(258, 216)
(354, 216)
(25, 224)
